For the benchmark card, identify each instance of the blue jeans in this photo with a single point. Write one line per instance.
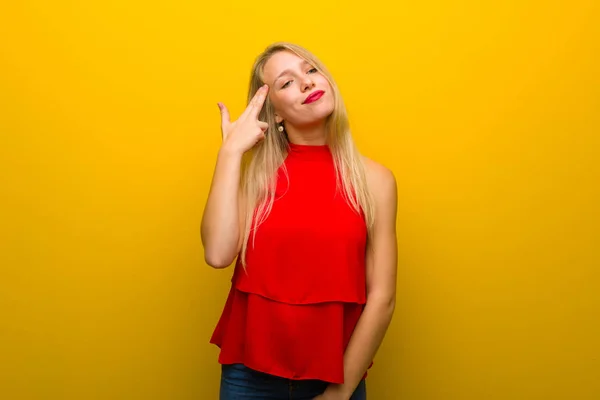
(239, 382)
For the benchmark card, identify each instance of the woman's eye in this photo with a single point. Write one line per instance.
(310, 71)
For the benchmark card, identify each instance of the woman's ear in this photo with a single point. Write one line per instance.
(278, 119)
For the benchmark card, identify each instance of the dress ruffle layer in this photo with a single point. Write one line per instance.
(292, 311)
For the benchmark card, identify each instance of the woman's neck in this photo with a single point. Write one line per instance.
(308, 135)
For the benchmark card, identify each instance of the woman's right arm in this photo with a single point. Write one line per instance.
(223, 218)
(221, 228)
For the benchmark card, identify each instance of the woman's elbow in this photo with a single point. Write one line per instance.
(385, 305)
(217, 261)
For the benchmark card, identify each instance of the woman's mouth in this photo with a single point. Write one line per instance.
(314, 96)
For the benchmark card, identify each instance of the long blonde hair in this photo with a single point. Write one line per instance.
(260, 166)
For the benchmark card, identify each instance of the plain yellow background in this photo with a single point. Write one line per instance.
(487, 112)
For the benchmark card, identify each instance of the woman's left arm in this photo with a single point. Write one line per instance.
(381, 264)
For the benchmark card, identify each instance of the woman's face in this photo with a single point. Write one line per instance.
(301, 95)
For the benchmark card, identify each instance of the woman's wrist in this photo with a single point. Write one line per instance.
(340, 391)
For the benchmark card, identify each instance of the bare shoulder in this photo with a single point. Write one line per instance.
(381, 180)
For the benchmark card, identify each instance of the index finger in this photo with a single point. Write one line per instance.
(257, 102)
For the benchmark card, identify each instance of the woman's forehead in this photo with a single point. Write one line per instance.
(279, 63)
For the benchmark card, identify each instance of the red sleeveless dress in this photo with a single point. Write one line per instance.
(293, 310)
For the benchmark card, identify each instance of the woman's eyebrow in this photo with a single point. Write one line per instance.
(285, 71)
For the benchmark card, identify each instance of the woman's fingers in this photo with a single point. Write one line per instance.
(224, 117)
(263, 126)
(256, 103)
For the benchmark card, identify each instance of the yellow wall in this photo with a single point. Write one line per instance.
(488, 114)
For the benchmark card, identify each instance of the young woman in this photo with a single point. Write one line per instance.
(313, 226)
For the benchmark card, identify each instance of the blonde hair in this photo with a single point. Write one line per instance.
(260, 166)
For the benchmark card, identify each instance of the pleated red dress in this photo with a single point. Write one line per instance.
(293, 310)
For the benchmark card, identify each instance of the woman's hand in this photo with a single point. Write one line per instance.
(333, 392)
(242, 134)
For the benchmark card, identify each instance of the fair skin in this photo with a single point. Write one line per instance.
(222, 220)
(381, 285)
(289, 81)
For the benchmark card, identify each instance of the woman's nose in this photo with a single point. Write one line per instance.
(307, 84)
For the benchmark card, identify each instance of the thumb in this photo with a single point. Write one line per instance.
(224, 114)
(263, 126)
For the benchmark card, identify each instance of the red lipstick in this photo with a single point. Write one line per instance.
(314, 96)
